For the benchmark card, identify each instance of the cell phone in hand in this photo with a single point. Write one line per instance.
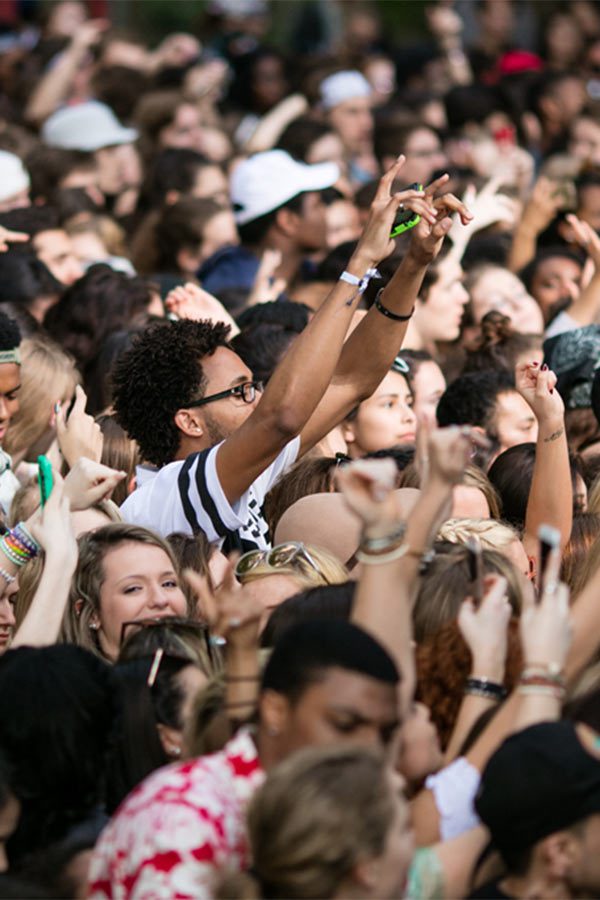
(406, 218)
(45, 478)
(549, 539)
(475, 569)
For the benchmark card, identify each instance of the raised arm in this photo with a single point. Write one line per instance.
(305, 372)
(551, 495)
(53, 88)
(373, 345)
(484, 630)
(586, 307)
(540, 209)
(391, 557)
(54, 534)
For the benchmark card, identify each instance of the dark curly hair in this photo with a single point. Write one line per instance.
(159, 374)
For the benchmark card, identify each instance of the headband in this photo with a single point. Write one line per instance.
(10, 356)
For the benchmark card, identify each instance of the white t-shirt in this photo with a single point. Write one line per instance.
(187, 496)
(563, 322)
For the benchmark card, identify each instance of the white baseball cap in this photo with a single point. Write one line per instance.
(343, 86)
(88, 126)
(266, 181)
(14, 177)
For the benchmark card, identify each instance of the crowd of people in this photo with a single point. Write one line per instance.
(300, 454)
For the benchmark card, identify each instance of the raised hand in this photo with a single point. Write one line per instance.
(190, 301)
(537, 385)
(449, 452)
(485, 629)
(545, 627)
(89, 482)
(79, 434)
(230, 611)
(587, 238)
(52, 526)
(428, 236)
(368, 489)
(266, 286)
(375, 243)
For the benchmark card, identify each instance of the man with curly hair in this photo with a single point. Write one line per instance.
(193, 407)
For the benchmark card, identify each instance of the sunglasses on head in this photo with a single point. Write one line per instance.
(279, 557)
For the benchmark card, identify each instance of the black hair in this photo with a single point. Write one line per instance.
(329, 601)
(306, 651)
(471, 399)
(402, 455)
(262, 348)
(31, 219)
(173, 169)
(285, 313)
(159, 374)
(297, 138)
(528, 272)
(254, 232)
(467, 103)
(267, 330)
(24, 278)
(58, 709)
(10, 336)
(98, 376)
(139, 750)
(512, 473)
(97, 304)
(47, 166)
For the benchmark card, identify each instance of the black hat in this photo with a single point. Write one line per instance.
(540, 781)
(574, 356)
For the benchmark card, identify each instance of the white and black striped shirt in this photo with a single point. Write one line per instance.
(187, 496)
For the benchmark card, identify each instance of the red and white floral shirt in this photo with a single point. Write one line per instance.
(179, 827)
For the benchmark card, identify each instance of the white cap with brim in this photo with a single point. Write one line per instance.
(266, 181)
(14, 177)
(343, 86)
(88, 126)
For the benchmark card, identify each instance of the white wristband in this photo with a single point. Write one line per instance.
(360, 284)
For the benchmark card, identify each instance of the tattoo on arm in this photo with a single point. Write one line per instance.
(554, 436)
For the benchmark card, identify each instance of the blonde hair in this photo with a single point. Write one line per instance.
(48, 375)
(447, 582)
(331, 570)
(89, 577)
(318, 814)
(492, 535)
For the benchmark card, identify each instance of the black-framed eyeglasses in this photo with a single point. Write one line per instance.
(246, 392)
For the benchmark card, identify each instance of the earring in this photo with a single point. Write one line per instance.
(174, 751)
(95, 626)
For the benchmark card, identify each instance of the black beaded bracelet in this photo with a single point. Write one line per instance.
(386, 312)
(481, 687)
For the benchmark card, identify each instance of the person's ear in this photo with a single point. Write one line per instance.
(274, 712)
(365, 874)
(560, 852)
(348, 432)
(189, 422)
(287, 222)
(170, 739)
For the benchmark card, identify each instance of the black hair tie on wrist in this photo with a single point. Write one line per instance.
(386, 312)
